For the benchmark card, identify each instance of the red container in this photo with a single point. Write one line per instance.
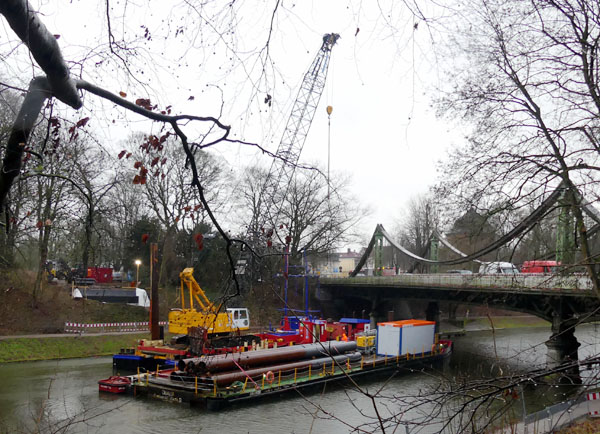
(100, 274)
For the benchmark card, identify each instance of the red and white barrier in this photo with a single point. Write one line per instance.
(593, 399)
(73, 327)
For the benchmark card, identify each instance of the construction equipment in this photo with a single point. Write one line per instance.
(283, 166)
(279, 177)
(209, 316)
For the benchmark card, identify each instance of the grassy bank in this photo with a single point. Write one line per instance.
(47, 348)
(505, 322)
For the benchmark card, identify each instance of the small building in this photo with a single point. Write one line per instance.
(339, 262)
(411, 336)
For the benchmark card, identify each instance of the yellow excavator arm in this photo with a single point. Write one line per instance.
(206, 314)
(195, 293)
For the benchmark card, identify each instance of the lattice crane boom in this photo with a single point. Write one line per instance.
(282, 169)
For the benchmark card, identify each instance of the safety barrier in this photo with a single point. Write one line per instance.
(593, 401)
(73, 327)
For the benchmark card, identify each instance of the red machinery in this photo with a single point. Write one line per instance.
(100, 274)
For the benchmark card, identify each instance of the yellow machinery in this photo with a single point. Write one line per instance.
(208, 315)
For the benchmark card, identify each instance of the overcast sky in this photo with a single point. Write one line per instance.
(381, 83)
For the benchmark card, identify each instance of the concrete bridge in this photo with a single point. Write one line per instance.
(564, 301)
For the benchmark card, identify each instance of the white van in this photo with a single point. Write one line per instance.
(498, 268)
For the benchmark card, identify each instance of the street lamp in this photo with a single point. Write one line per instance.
(137, 272)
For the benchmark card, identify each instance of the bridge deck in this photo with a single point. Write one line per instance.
(574, 284)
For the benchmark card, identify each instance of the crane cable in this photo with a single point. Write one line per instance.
(329, 96)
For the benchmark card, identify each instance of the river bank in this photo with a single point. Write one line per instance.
(40, 347)
(64, 346)
(497, 323)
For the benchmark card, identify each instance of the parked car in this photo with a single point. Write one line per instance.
(540, 267)
(498, 268)
(459, 272)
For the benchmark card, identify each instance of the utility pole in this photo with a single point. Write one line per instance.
(154, 311)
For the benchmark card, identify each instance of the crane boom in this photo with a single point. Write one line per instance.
(274, 189)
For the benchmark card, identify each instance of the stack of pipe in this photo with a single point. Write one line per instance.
(261, 361)
(323, 363)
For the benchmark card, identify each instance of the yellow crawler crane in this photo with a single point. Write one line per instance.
(209, 316)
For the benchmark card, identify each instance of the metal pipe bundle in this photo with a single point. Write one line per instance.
(230, 362)
(226, 378)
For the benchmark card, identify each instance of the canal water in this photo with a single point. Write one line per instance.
(62, 396)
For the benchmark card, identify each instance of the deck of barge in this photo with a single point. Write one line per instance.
(203, 391)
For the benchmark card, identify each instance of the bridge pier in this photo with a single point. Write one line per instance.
(432, 313)
(378, 312)
(562, 348)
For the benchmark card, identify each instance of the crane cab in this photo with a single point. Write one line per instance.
(240, 317)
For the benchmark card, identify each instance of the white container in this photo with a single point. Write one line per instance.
(398, 338)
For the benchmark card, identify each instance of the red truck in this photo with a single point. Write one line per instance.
(540, 267)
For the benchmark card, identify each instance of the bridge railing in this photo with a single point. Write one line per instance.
(333, 275)
(525, 281)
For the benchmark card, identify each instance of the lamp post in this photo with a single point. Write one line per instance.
(137, 272)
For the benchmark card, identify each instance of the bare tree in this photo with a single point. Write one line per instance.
(416, 227)
(58, 82)
(309, 218)
(525, 78)
(169, 193)
(52, 194)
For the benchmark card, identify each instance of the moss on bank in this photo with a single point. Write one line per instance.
(506, 322)
(47, 348)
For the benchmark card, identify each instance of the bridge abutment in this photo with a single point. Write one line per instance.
(562, 348)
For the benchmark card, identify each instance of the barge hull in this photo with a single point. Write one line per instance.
(216, 398)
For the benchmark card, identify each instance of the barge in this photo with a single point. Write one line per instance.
(148, 355)
(168, 385)
(217, 381)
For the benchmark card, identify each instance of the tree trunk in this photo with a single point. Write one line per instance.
(43, 250)
(88, 238)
